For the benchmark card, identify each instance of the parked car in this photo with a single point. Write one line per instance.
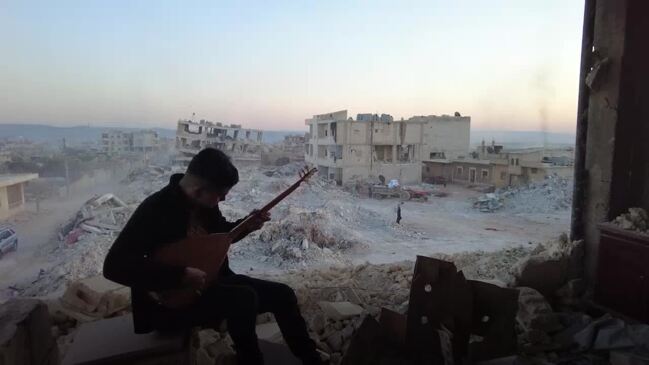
(8, 240)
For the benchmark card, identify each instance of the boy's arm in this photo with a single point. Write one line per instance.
(128, 261)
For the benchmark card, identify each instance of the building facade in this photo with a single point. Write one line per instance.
(145, 141)
(344, 149)
(117, 142)
(240, 143)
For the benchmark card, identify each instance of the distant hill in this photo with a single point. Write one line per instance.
(73, 135)
(84, 134)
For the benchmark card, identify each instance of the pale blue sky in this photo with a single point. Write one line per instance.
(271, 64)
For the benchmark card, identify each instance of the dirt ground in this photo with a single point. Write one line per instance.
(450, 225)
(441, 225)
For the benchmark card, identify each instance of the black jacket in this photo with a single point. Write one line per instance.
(160, 219)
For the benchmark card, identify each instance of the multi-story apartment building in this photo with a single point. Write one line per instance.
(241, 144)
(116, 142)
(344, 149)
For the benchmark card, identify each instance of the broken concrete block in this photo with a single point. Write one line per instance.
(335, 341)
(25, 335)
(318, 323)
(585, 338)
(572, 289)
(205, 337)
(549, 271)
(270, 332)
(613, 337)
(80, 297)
(220, 350)
(347, 332)
(96, 297)
(534, 312)
(203, 358)
(340, 310)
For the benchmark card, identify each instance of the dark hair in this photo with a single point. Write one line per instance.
(214, 166)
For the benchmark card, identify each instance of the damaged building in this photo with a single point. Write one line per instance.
(240, 143)
(493, 165)
(12, 193)
(345, 149)
(290, 149)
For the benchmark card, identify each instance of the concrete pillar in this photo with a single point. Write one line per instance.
(618, 113)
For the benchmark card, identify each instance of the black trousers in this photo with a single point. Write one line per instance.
(238, 299)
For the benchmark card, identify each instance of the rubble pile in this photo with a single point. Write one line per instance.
(314, 224)
(105, 214)
(69, 263)
(488, 203)
(290, 169)
(552, 194)
(142, 182)
(496, 266)
(85, 240)
(302, 236)
(336, 302)
(150, 172)
(636, 220)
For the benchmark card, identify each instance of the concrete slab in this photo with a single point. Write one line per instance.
(113, 341)
(269, 332)
(340, 310)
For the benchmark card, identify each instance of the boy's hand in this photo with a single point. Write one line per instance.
(194, 278)
(258, 219)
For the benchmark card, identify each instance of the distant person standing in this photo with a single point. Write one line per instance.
(399, 213)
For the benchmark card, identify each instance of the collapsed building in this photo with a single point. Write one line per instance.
(344, 149)
(291, 149)
(240, 143)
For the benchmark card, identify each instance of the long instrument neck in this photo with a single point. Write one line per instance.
(241, 227)
(270, 205)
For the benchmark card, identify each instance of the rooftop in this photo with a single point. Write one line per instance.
(6, 180)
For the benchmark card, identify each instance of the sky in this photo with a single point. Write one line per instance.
(509, 64)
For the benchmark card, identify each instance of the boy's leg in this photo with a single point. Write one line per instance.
(239, 305)
(280, 300)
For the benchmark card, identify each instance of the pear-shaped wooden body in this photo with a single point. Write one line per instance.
(205, 252)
